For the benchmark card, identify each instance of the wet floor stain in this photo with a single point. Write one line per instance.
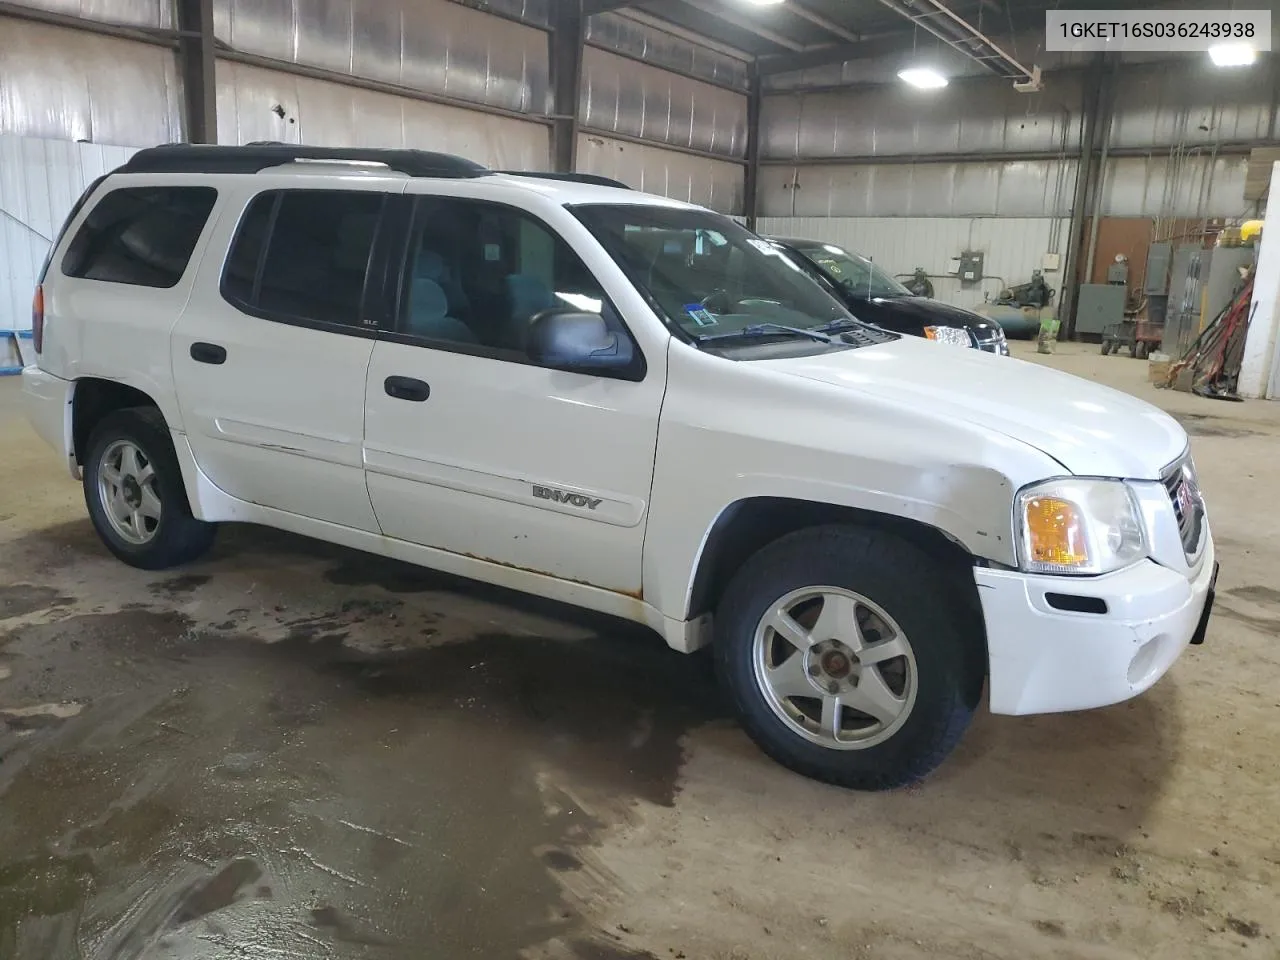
(180, 587)
(1204, 425)
(1267, 596)
(21, 599)
(219, 796)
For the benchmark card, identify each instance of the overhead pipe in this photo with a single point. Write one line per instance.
(959, 34)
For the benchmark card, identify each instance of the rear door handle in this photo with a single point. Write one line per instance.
(406, 388)
(208, 353)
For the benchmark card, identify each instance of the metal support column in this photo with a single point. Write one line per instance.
(196, 67)
(751, 180)
(566, 40)
(1086, 183)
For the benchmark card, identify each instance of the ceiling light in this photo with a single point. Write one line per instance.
(1233, 54)
(926, 78)
(764, 3)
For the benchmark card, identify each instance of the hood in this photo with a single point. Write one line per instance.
(928, 312)
(1090, 429)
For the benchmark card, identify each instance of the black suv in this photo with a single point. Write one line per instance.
(876, 297)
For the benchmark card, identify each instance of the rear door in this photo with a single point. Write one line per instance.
(270, 361)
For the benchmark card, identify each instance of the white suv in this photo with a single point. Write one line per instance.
(628, 404)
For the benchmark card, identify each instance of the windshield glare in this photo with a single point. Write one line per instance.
(858, 275)
(707, 273)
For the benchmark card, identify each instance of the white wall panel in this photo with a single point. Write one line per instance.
(1013, 246)
(61, 83)
(40, 180)
(717, 184)
(330, 114)
(622, 96)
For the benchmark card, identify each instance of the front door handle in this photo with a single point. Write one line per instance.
(406, 388)
(208, 353)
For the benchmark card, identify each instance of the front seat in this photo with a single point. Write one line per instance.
(527, 296)
(429, 314)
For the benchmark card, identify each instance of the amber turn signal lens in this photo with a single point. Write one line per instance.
(1055, 532)
(37, 319)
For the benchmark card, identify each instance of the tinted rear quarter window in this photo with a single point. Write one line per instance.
(142, 236)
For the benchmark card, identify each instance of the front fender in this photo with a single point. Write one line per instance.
(731, 431)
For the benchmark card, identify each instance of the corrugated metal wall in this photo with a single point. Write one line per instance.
(1013, 246)
(898, 121)
(637, 100)
(134, 13)
(613, 31)
(430, 45)
(717, 184)
(251, 100)
(1008, 189)
(39, 181)
(117, 91)
(69, 85)
(885, 129)
(1192, 185)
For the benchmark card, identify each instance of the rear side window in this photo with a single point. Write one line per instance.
(303, 255)
(143, 236)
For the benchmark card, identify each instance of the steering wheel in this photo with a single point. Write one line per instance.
(718, 302)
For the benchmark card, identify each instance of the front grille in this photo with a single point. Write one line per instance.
(995, 343)
(1188, 506)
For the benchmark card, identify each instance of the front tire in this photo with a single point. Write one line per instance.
(845, 654)
(135, 495)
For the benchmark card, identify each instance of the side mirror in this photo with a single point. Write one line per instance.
(578, 342)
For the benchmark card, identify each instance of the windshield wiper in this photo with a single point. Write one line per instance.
(764, 329)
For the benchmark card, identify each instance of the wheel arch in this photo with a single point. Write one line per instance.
(750, 524)
(96, 398)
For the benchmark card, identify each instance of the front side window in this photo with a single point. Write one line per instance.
(142, 236)
(706, 273)
(479, 273)
(303, 255)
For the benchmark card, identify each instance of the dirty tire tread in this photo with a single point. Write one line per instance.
(181, 537)
(887, 570)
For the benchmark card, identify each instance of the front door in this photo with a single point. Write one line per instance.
(471, 448)
(270, 369)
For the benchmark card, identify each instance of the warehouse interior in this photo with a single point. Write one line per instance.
(293, 749)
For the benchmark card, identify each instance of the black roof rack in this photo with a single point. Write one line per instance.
(253, 157)
(598, 180)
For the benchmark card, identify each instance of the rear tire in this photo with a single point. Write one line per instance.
(872, 693)
(1106, 347)
(134, 491)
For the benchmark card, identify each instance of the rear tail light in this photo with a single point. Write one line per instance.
(37, 319)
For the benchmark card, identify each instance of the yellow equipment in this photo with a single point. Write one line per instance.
(1250, 229)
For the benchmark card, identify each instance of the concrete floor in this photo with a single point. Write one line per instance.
(290, 750)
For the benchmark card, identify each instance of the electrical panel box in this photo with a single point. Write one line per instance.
(1098, 305)
(1118, 273)
(1156, 281)
(971, 266)
(1051, 261)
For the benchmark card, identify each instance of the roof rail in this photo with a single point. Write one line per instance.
(568, 177)
(254, 157)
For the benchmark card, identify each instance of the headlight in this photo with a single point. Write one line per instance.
(956, 336)
(1078, 526)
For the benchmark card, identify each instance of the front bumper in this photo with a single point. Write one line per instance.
(1047, 660)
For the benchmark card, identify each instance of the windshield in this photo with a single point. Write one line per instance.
(856, 274)
(708, 274)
